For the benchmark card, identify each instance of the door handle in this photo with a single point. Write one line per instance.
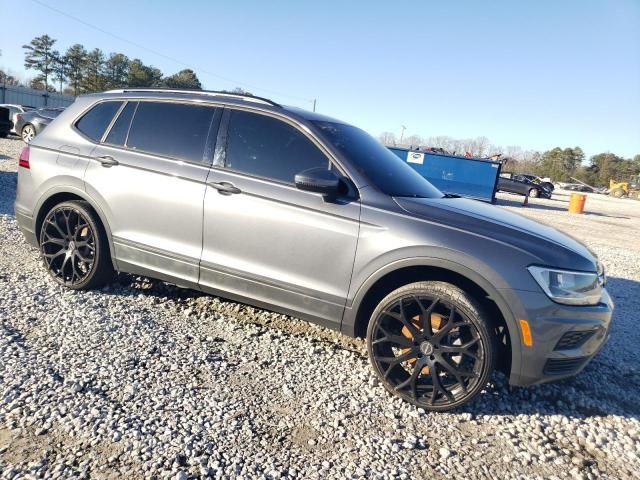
(107, 161)
(225, 188)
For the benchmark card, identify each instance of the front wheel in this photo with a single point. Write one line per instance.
(74, 246)
(430, 344)
(533, 193)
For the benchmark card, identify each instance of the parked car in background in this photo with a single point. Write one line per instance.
(5, 122)
(14, 110)
(521, 184)
(578, 187)
(31, 123)
(545, 182)
(304, 214)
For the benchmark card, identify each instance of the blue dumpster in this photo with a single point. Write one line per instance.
(475, 178)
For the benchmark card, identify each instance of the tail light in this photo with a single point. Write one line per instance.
(23, 161)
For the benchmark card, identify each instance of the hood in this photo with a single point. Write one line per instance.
(549, 246)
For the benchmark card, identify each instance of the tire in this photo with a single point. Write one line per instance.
(534, 193)
(439, 368)
(74, 246)
(27, 133)
(617, 193)
(4, 134)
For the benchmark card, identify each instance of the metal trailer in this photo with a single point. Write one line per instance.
(475, 178)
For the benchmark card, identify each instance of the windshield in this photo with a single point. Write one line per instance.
(388, 172)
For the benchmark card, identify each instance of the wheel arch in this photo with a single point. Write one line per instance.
(55, 196)
(387, 279)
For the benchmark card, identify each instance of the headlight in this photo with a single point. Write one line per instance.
(572, 288)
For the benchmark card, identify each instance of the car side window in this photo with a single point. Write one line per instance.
(174, 130)
(120, 129)
(95, 121)
(267, 147)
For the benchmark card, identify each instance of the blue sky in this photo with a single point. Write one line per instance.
(537, 74)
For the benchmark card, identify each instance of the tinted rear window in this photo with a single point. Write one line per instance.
(171, 129)
(94, 123)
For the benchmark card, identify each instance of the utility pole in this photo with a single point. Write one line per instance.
(402, 134)
(314, 104)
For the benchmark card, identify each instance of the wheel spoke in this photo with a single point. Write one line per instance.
(437, 337)
(51, 256)
(402, 318)
(399, 359)
(75, 273)
(64, 264)
(66, 216)
(85, 244)
(417, 368)
(437, 385)
(453, 371)
(55, 225)
(82, 258)
(427, 328)
(390, 338)
(55, 241)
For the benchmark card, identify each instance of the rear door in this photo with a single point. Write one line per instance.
(265, 240)
(148, 173)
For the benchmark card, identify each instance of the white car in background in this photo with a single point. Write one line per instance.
(14, 110)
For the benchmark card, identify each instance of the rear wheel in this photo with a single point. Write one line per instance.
(74, 246)
(28, 132)
(429, 343)
(533, 193)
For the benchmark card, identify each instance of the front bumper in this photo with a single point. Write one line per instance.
(565, 337)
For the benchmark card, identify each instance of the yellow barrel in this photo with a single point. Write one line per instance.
(576, 202)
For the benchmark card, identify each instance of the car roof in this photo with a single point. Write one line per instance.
(230, 98)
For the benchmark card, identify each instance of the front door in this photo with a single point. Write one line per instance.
(266, 241)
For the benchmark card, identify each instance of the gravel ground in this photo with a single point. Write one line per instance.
(143, 379)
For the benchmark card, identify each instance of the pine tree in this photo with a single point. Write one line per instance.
(39, 57)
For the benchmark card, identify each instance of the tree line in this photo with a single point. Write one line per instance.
(79, 70)
(559, 164)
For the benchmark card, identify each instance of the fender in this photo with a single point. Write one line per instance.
(350, 313)
(75, 190)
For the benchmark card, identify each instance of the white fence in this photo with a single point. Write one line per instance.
(32, 97)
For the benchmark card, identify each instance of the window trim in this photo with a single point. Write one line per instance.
(103, 140)
(76, 120)
(206, 154)
(113, 121)
(222, 106)
(223, 135)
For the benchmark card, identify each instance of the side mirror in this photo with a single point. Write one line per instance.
(319, 180)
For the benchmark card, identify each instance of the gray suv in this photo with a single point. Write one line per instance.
(306, 215)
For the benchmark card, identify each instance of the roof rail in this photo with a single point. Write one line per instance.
(242, 96)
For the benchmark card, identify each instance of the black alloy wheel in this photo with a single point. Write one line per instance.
(73, 246)
(429, 343)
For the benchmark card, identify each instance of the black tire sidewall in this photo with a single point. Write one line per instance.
(463, 303)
